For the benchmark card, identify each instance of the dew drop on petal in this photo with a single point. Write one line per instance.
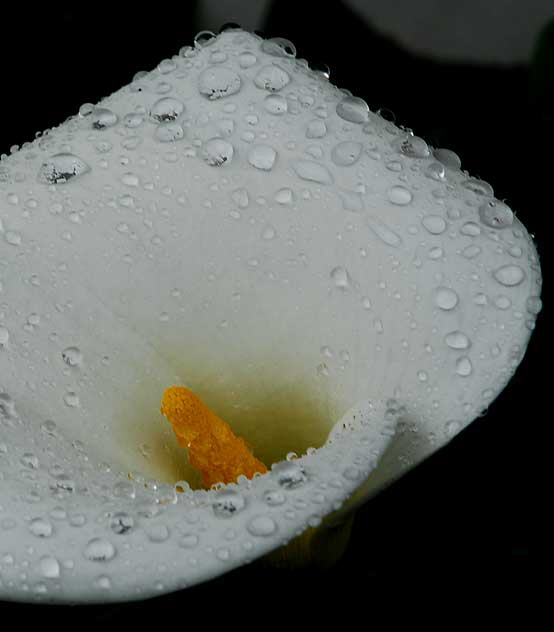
(275, 104)
(312, 171)
(353, 109)
(216, 152)
(271, 78)
(262, 157)
(457, 340)
(446, 298)
(346, 153)
(399, 195)
(169, 132)
(99, 550)
(216, 83)
(448, 158)
(464, 367)
(434, 224)
(102, 118)
(262, 526)
(61, 168)
(509, 275)
(496, 214)
(167, 109)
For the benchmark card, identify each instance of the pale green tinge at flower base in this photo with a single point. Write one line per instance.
(233, 222)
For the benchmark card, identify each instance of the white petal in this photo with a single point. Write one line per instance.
(150, 264)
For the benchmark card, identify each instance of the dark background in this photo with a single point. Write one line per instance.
(460, 529)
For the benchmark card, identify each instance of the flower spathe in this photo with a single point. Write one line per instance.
(232, 214)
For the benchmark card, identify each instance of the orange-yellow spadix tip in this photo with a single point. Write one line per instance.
(213, 448)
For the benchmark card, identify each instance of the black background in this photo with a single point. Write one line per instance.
(460, 529)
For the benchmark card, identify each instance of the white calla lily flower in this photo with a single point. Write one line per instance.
(233, 222)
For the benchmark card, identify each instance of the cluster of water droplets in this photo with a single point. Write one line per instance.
(306, 192)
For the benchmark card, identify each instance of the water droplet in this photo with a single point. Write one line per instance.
(340, 278)
(435, 171)
(188, 541)
(271, 78)
(284, 196)
(228, 503)
(509, 275)
(158, 533)
(262, 157)
(435, 224)
(279, 47)
(217, 152)
(262, 526)
(384, 233)
(446, 298)
(471, 252)
(204, 38)
(49, 567)
(534, 304)
(478, 186)
(133, 120)
(71, 399)
(167, 109)
(216, 83)
(471, 229)
(103, 582)
(121, 523)
(289, 474)
(247, 60)
(464, 366)
(72, 356)
(448, 158)
(40, 528)
(169, 132)
(496, 214)
(102, 118)
(316, 129)
(275, 104)
(412, 146)
(502, 302)
(61, 168)
(353, 109)
(99, 550)
(399, 195)
(457, 340)
(4, 336)
(346, 153)
(312, 171)
(30, 460)
(12, 237)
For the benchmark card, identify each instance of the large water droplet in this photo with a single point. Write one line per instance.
(262, 157)
(446, 298)
(279, 47)
(457, 340)
(275, 104)
(61, 168)
(434, 224)
(169, 132)
(346, 153)
(464, 368)
(384, 233)
(496, 214)
(399, 195)
(340, 278)
(49, 567)
(509, 275)
(312, 171)
(99, 550)
(353, 109)
(289, 474)
(448, 158)
(480, 187)
(72, 356)
(167, 109)
(262, 526)
(228, 503)
(40, 528)
(218, 82)
(217, 152)
(102, 118)
(271, 78)
(412, 146)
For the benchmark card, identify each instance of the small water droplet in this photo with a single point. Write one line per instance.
(121, 523)
(102, 118)
(216, 152)
(353, 109)
(169, 132)
(284, 196)
(464, 367)
(49, 567)
(340, 278)
(412, 146)
(346, 153)
(316, 129)
(275, 104)
(218, 82)
(262, 157)
(271, 78)
(399, 195)
(279, 47)
(99, 550)
(496, 214)
(72, 356)
(312, 171)
(434, 224)
(446, 298)
(228, 503)
(167, 109)
(509, 275)
(470, 229)
(204, 38)
(40, 528)
(479, 187)
(457, 340)
(61, 168)
(262, 526)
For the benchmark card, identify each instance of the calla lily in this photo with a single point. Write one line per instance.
(231, 221)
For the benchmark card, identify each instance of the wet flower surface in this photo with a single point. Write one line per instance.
(232, 214)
